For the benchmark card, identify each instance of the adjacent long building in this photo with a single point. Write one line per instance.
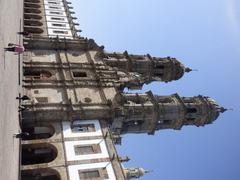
(77, 109)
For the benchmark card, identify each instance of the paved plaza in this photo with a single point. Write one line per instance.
(10, 23)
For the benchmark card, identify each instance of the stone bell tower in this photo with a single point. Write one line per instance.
(146, 67)
(146, 113)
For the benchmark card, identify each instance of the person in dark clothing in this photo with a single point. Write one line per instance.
(21, 135)
(24, 33)
(23, 98)
(15, 48)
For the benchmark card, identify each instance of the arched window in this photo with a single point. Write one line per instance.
(38, 132)
(34, 74)
(191, 110)
(38, 153)
(31, 5)
(40, 174)
(32, 16)
(33, 30)
(32, 23)
(32, 1)
(30, 10)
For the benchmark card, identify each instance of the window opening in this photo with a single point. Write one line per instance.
(54, 18)
(60, 32)
(42, 99)
(95, 174)
(87, 149)
(59, 25)
(37, 154)
(83, 128)
(54, 7)
(79, 74)
(54, 12)
(191, 110)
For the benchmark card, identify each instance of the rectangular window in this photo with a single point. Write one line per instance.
(83, 128)
(89, 174)
(55, 12)
(95, 174)
(59, 25)
(36, 91)
(60, 32)
(42, 99)
(57, 19)
(159, 66)
(54, 7)
(53, 2)
(79, 74)
(87, 149)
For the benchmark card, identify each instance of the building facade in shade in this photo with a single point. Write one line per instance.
(78, 110)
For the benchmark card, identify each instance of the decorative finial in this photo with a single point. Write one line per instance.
(148, 171)
(188, 69)
(222, 109)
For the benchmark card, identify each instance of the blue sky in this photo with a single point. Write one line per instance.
(204, 35)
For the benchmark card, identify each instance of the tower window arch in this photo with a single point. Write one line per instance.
(190, 119)
(158, 74)
(191, 110)
(159, 66)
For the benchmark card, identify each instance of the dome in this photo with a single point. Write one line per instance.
(178, 69)
(175, 69)
(213, 109)
(141, 171)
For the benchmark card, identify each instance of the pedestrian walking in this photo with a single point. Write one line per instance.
(15, 48)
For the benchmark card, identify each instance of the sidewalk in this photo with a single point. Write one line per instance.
(10, 17)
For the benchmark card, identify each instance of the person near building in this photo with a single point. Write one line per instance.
(15, 48)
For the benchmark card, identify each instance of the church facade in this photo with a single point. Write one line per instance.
(78, 111)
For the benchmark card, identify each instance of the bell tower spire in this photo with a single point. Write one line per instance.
(146, 113)
(150, 68)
